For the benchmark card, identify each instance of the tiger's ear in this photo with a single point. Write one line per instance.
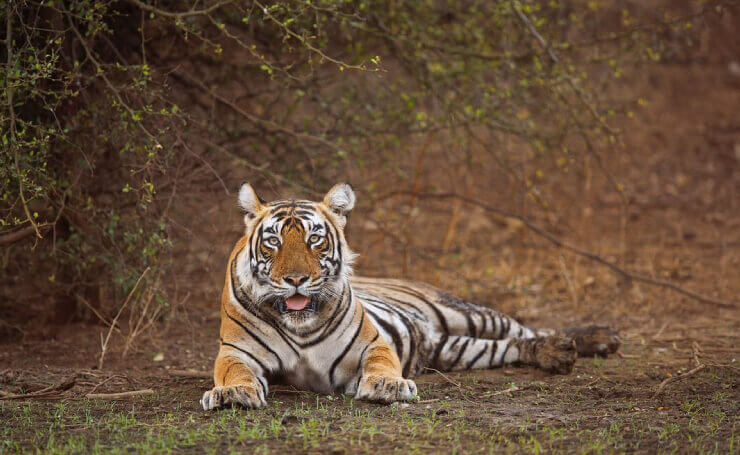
(249, 201)
(340, 199)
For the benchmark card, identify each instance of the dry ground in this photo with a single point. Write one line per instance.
(684, 225)
(604, 406)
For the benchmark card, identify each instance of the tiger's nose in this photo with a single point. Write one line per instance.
(295, 280)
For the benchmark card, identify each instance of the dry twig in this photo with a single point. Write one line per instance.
(447, 378)
(288, 389)
(305, 42)
(695, 352)
(695, 349)
(179, 15)
(104, 343)
(660, 331)
(678, 377)
(627, 356)
(46, 392)
(509, 390)
(100, 384)
(114, 396)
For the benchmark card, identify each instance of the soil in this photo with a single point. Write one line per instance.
(683, 226)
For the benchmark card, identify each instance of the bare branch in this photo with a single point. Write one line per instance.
(553, 56)
(307, 44)
(11, 114)
(108, 83)
(20, 234)
(581, 252)
(269, 124)
(175, 15)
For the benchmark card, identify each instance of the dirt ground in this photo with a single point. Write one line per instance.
(684, 226)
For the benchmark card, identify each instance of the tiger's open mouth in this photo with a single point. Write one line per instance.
(297, 302)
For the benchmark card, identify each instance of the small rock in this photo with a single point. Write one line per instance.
(734, 68)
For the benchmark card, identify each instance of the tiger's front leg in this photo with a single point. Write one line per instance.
(381, 379)
(236, 384)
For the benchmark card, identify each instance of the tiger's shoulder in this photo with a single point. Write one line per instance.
(226, 294)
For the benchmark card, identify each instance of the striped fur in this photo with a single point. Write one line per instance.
(361, 336)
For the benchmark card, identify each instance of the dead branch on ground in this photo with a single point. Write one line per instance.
(677, 378)
(105, 381)
(699, 366)
(53, 390)
(114, 396)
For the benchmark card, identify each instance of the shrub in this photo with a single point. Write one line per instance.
(110, 106)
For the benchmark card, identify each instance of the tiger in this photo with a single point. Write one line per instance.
(292, 313)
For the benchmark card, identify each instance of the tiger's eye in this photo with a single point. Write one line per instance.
(273, 241)
(314, 239)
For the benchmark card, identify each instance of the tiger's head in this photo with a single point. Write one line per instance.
(296, 264)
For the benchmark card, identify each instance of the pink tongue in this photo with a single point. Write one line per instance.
(296, 302)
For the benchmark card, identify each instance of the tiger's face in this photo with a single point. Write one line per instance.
(296, 263)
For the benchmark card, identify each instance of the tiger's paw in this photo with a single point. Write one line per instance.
(240, 395)
(594, 340)
(385, 389)
(556, 354)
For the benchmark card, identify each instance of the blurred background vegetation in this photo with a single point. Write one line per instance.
(124, 123)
